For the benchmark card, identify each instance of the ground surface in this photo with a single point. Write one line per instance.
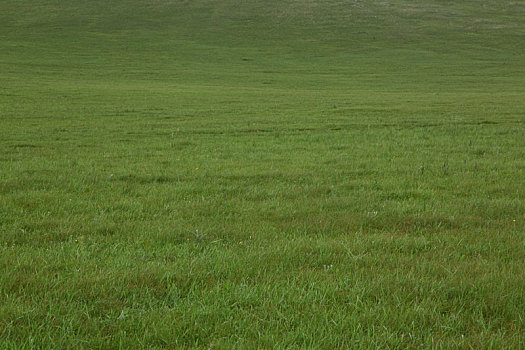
(262, 174)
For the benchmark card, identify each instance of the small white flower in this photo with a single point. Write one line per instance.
(328, 267)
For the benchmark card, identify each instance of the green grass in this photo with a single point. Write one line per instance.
(262, 174)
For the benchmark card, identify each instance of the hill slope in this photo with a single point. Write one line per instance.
(251, 174)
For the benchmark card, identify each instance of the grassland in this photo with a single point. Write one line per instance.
(262, 174)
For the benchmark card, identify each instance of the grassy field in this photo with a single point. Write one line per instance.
(262, 174)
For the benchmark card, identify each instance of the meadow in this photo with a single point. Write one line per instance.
(262, 174)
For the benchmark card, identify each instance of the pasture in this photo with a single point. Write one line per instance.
(262, 174)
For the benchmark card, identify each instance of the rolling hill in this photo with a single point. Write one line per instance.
(262, 174)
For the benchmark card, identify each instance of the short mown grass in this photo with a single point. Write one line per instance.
(262, 174)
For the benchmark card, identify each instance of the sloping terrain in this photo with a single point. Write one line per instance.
(262, 174)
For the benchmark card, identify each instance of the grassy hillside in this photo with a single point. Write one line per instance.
(262, 174)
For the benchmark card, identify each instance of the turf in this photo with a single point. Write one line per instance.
(262, 174)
